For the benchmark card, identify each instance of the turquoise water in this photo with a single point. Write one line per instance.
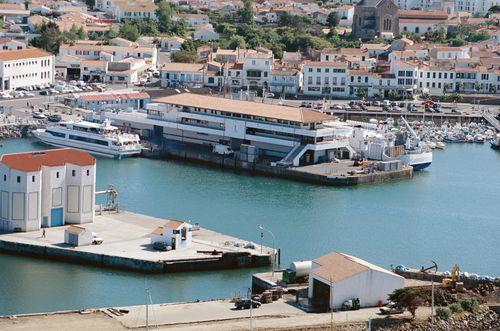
(448, 213)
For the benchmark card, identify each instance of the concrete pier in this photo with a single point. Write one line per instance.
(126, 245)
(329, 174)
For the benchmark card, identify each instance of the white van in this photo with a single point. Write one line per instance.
(222, 149)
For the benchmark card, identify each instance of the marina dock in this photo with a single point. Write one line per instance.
(126, 245)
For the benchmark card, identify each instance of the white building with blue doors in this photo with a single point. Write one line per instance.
(46, 189)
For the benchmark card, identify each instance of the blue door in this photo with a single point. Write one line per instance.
(56, 217)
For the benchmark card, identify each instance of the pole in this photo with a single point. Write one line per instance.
(251, 308)
(261, 239)
(147, 309)
(331, 303)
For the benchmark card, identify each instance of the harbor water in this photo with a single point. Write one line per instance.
(449, 213)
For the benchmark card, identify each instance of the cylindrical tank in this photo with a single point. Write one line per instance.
(301, 268)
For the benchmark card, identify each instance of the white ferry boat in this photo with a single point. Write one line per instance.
(95, 138)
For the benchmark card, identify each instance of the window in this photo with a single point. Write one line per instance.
(32, 179)
(318, 70)
(88, 172)
(4, 178)
(73, 173)
(18, 179)
(57, 174)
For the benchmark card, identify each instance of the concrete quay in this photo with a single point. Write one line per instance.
(217, 315)
(126, 245)
(328, 174)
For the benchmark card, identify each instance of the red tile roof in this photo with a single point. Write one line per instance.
(33, 161)
(173, 224)
(29, 53)
(115, 96)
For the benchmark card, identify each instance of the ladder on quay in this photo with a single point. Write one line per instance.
(492, 120)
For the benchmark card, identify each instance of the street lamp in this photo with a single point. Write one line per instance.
(261, 228)
(249, 294)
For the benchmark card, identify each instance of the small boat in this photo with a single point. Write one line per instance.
(440, 145)
(479, 138)
(495, 143)
(469, 138)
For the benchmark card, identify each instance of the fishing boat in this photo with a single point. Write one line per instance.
(101, 139)
(495, 142)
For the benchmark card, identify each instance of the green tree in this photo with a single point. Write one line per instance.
(50, 37)
(184, 56)
(246, 13)
(145, 26)
(494, 10)
(129, 31)
(111, 33)
(237, 42)
(164, 14)
(456, 42)
(333, 19)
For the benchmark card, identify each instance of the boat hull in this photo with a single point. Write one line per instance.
(47, 139)
(418, 161)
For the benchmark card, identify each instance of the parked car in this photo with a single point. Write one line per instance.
(54, 118)
(38, 115)
(377, 103)
(455, 110)
(390, 309)
(246, 304)
(347, 107)
(397, 108)
(161, 246)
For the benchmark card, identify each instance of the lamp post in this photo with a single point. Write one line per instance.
(261, 228)
(249, 293)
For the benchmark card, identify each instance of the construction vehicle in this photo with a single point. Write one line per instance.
(452, 281)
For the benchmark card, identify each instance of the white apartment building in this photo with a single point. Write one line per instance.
(436, 79)
(325, 78)
(193, 20)
(475, 6)
(25, 67)
(110, 52)
(443, 52)
(257, 69)
(7, 44)
(179, 74)
(285, 81)
(136, 9)
(45, 189)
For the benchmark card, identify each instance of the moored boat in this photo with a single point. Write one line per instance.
(95, 138)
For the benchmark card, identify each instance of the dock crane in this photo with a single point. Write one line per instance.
(111, 198)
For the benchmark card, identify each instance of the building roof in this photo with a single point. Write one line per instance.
(173, 224)
(246, 108)
(337, 64)
(33, 161)
(114, 96)
(23, 54)
(183, 67)
(75, 229)
(158, 231)
(339, 266)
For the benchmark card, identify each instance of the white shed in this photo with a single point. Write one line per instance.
(176, 234)
(77, 236)
(337, 277)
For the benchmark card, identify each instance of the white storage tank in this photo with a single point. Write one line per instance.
(301, 268)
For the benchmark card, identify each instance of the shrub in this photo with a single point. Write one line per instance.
(443, 313)
(469, 305)
(456, 308)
